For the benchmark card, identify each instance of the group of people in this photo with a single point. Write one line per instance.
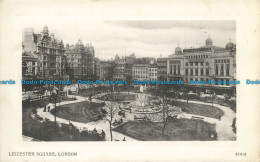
(45, 108)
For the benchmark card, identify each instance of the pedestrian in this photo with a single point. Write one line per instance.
(124, 139)
(49, 108)
(219, 118)
(44, 110)
(103, 134)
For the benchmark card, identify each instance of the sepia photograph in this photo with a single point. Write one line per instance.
(129, 80)
(135, 80)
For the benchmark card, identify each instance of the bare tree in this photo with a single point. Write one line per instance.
(160, 110)
(111, 108)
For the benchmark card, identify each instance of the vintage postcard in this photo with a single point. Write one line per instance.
(129, 81)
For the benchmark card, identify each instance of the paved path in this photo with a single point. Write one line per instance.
(99, 125)
(223, 127)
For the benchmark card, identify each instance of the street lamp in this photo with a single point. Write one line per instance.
(55, 95)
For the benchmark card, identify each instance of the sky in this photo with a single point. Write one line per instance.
(145, 38)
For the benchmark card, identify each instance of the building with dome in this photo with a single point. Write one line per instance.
(49, 50)
(209, 62)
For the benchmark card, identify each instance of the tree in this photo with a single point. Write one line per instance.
(110, 71)
(129, 81)
(54, 98)
(164, 91)
(111, 107)
(155, 116)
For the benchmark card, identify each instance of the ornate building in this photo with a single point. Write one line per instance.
(29, 64)
(49, 50)
(208, 62)
(119, 71)
(80, 61)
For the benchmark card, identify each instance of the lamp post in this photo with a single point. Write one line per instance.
(55, 95)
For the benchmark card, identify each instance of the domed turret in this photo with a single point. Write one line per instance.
(209, 42)
(178, 50)
(79, 43)
(45, 30)
(230, 45)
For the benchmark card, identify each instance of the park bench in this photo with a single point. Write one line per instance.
(197, 118)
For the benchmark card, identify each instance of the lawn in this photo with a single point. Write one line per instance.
(198, 109)
(180, 130)
(47, 131)
(83, 112)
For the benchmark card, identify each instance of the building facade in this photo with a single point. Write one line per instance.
(152, 72)
(80, 61)
(29, 64)
(206, 63)
(119, 71)
(162, 68)
(106, 69)
(140, 72)
(49, 50)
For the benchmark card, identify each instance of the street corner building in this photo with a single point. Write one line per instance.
(208, 62)
(46, 57)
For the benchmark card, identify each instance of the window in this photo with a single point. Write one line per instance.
(201, 72)
(227, 70)
(201, 64)
(207, 63)
(186, 71)
(197, 72)
(222, 70)
(196, 64)
(186, 64)
(207, 72)
(216, 70)
(191, 72)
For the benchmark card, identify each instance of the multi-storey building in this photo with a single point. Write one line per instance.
(29, 64)
(129, 61)
(152, 72)
(80, 61)
(140, 72)
(96, 68)
(161, 68)
(119, 71)
(50, 51)
(106, 70)
(208, 62)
